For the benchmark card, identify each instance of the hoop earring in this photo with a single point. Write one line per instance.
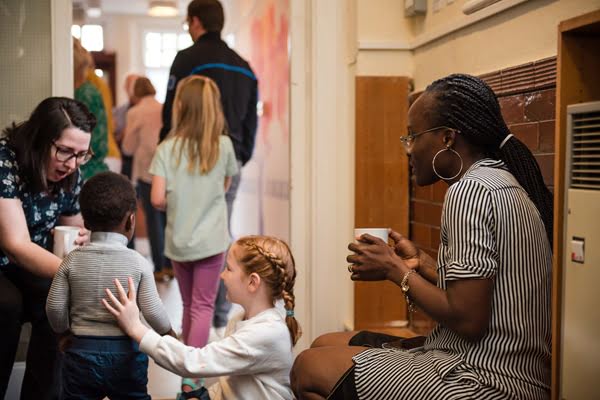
(448, 148)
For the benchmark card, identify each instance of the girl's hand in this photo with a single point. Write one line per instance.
(125, 310)
(83, 238)
(373, 260)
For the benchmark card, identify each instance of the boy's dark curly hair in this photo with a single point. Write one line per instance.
(105, 200)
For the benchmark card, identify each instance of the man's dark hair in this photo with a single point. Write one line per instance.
(209, 12)
(32, 140)
(469, 105)
(105, 200)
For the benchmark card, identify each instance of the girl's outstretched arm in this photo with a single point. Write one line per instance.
(261, 348)
(126, 311)
(250, 350)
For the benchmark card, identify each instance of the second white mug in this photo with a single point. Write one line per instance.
(381, 233)
(64, 240)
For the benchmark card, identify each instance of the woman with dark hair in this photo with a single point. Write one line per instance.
(489, 291)
(39, 188)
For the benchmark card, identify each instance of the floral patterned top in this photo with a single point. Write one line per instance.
(90, 96)
(41, 209)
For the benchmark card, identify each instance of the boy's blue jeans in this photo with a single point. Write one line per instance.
(95, 367)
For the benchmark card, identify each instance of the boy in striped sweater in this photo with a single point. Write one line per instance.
(101, 360)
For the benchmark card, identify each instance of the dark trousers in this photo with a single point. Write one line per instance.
(222, 306)
(126, 165)
(95, 367)
(23, 299)
(155, 222)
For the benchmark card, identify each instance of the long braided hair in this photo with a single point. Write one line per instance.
(272, 260)
(468, 104)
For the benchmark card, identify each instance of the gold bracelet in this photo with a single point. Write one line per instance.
(405, 288)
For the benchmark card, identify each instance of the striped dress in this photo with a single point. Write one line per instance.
(490, 229)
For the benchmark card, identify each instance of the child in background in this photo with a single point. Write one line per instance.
(101, 360)
(140, 140)
(192, 169)
(254, 358)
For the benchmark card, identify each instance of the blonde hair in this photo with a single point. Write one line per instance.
(272, 260)
(198, 122)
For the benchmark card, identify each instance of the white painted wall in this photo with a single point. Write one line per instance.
(261, 34)
(382, 21)
(322, 125)
(62, 72)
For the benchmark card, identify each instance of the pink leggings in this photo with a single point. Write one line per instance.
(198, 282)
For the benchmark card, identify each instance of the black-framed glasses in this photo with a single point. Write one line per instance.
(64, 154)
(409, 139)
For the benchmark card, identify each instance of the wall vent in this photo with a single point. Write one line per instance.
(583, 131)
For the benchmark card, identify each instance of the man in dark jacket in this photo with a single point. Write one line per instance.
(210, 56)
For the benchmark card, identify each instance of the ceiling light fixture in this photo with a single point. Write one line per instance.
(163, 8)
(94, 9)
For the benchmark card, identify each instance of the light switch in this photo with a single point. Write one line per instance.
(578, 249)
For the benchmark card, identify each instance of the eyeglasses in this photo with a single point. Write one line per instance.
(409, 139)
(63, 155)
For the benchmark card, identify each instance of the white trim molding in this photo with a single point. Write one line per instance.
(322, 162)
(475, 5)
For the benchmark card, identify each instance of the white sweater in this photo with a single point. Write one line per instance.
(253, 361)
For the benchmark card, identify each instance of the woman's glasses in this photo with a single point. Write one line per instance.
(409, 139)
(64, 154)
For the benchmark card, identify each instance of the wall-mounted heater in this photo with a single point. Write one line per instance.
(581, 266)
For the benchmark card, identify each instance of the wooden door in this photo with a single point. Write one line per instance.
(106, 61)
(382, 186)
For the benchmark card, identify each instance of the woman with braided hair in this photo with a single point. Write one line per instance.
(254, 358)
(489, 290)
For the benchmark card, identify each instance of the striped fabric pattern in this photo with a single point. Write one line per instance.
(489, 229)
(74, 301)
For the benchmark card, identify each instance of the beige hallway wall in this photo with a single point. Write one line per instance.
(525, 33)
(389, 42)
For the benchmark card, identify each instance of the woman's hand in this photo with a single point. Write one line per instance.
(374, 260)
(83, 238)
(125, 310)
(77, 221)
(414, 258)
(405, 249)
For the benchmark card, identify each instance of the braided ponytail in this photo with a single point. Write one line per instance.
(468, 104)
(272, 260)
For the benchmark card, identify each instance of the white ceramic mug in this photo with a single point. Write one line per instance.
(381, 233)
(64, 240)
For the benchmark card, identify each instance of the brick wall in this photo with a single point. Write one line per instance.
(530, 117)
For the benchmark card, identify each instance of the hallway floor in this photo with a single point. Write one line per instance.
(163, 384)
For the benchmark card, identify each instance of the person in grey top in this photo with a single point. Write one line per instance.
(100, 359)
